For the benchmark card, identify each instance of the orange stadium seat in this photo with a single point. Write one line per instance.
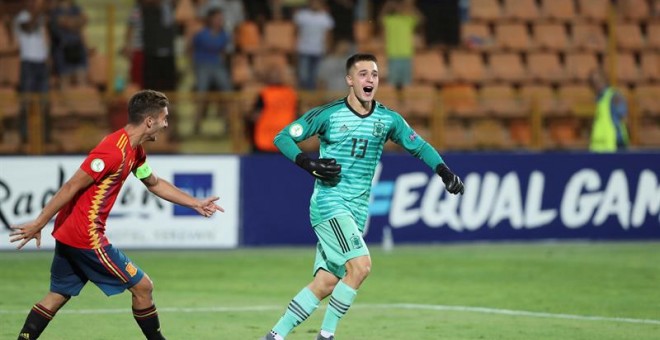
(461, 101)
(545, 66)
(490, 133)
(653, 35)
(629, 37)
(263, 61)
(512, 36)
(280, 35)
(526, 10)
(429, 67)
(647, 98)
(184, 11)
(650, 66)
(248, 38)
(466, 66)
(590, 37)
(649, 135)
(595, 10)
(579, 65)
(476, 36)
(502, 101)
(579, 98)
(7, 44)
(565, 133)
(627, 70)
(542, 98)
(635, 10)
(363, 30)
(10, 69)
(97, 72)
(10, 104)
(551, 36)
(241, 70)
(419, 100)
(85, 101)
(520, 131)
(485, 10)
(456, 136)
(563, 10)
(507, 67)
(389, 96)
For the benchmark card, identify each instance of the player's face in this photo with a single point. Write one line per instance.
(363, 79)
(157, 124)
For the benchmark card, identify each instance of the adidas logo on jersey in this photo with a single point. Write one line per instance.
(343, 128)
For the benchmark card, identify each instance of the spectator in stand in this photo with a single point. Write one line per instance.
(67, 21)
(314, 25)
(400, 18)
(30, 30)
(275, 108)
(608, 133)
(208, 49)
(343, 14)
(233, 12)
(332, 72)
(134, 45)
(158, 37)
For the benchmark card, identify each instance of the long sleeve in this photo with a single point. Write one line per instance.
(311, 123)
(406, 137)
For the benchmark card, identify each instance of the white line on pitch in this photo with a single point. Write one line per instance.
(483, 310)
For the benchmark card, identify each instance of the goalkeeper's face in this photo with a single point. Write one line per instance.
(363, 80)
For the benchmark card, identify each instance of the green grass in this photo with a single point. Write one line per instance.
(616, 280)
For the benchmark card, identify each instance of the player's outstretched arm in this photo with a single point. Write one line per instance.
(167, 191)
(32, 230)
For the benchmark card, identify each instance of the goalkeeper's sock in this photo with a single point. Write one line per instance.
(36, 322)
(299, 309)
(148, 321)
(340, 301)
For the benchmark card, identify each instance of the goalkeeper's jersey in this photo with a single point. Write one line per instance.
(356, 142)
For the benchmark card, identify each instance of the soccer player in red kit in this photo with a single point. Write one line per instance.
(82, 251)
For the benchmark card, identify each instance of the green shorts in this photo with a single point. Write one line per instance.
(339, 241)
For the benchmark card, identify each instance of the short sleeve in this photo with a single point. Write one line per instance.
(101, 162)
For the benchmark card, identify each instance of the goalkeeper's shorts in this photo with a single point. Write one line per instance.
(339, 241)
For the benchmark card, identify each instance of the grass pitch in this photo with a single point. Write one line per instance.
(527, 291)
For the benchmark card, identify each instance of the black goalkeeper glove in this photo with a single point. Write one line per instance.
(453, 183)
(322, 168)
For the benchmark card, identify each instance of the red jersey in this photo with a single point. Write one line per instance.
(81, 222)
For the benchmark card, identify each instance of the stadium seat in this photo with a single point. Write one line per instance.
(634, 10)
(456, 136)
(502, 101)
(650, 64)
(579, 98)
(589, 37)
(629, 37)
(59, 106)
(263, 61)
(507, 67)
(653, 36)
(466, 66)
(383, 66)
(520, 131)
(627, 70)
(525, 10)
(419, 100)
(490, 134)
(10, 104)
(563, 10)
(564, 133)
(476, 36)
(248, 38)
(10, 69)
(579, 65)
(363, 30)
(545, 67)
(512, 36)
(649, 135)
(461, 101)
(543, 98)
(85, 101)
(389, 96)
(429, 67)
(280, 35)
(550, 36)
(485, 10)
(97, 71)
(7, 44)
(594, 10)
(647, 99)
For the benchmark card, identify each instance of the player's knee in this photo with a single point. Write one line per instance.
(144, 288)
(360, 269)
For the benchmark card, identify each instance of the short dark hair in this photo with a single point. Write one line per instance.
(355, 58)
(145, 103)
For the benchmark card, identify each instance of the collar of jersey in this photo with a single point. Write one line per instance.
(373, 107)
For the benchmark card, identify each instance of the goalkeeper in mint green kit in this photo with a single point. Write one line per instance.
(352, 132)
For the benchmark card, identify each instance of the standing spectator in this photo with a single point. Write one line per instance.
(332, 77)
(275, 108)
(608, 132)
(158, 37)
(134, 45)
(208, 49)
(67, 21)
(30, 28)
(343, 13)
(314, 24)
(399, 19)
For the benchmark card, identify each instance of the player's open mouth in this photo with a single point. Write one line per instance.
(368, 89)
